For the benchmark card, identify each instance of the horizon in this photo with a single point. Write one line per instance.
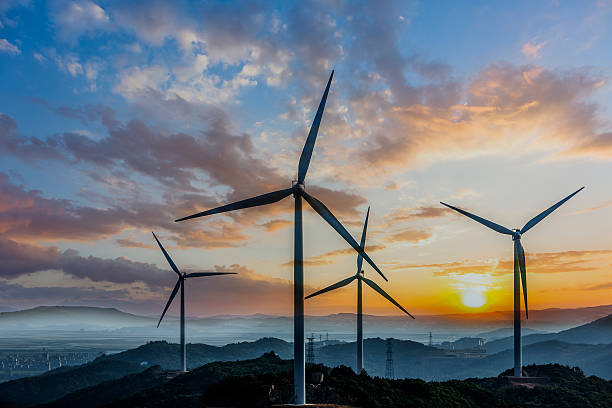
(176, 316)
(112, 127)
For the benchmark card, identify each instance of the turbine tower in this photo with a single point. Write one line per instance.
(298, 191)
(520, 271)
(180, 284)
(360, 278)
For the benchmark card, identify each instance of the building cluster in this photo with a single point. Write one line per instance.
(17, 364)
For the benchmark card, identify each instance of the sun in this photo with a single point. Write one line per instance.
(473, 298)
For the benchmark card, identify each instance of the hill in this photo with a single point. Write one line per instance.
(185, 390)
(167, 355)
(267, 380)
(70, 317)
(59, 382)
(112, 390)
(71, 386)
(559, 387)
(595, 332)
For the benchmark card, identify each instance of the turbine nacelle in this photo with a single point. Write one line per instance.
(298, 188)
(517, 234)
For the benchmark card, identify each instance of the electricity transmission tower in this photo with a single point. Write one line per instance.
(310, 356)
(389, 362)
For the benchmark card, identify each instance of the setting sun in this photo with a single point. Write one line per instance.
(473, 298)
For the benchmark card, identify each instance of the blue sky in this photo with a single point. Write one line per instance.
(117, 117)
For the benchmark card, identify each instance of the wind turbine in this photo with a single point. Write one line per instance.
(519, 267)
(298, 191)
(180, 283)
(360, 278)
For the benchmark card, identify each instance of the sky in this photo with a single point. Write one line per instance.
(118, 117)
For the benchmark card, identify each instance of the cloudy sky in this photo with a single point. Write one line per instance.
(118, 117)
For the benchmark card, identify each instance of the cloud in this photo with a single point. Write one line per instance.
(21, 259)
(131, 243)
(601, 286)
(546, 262)
(327, 258)
(412, 236)
(506, 107)
(217, 157)
(597, 145)
(7, 48)
(132, 285)
(591, 209)
(417, 213)
(28, 215)
(532, 48)
(39, 57)
(87, 114)
(74, 18)
(275, 225)
(172, 159)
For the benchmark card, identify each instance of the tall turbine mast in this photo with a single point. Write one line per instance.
(520, 270)
(360, 278)
(180, 283)
(298, 191)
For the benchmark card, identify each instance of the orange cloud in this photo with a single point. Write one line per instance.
(547, 262)
(275, 225)
(412, 236)
(503, 108)
(130, 243)
(328, 257)
(532, 48)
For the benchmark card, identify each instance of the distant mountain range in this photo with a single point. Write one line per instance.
(71, 317)
(217, 329)
(596, 332)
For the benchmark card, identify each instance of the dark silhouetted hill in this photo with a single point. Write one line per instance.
(167, 355)
(57, 383)
(561, 387)
(112, 390)
(268, 379)
(187, 390)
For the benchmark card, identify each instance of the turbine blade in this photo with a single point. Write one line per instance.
(340, 284)
(263, 199)
(172, 295)
(312, 135)
(197, 274)
(327, 215)
(545, 213)
(363, 238)
(521, 258)
(481, 220)
(170, 261)
(377, 288)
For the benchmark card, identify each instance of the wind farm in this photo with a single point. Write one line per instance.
(236, 134)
